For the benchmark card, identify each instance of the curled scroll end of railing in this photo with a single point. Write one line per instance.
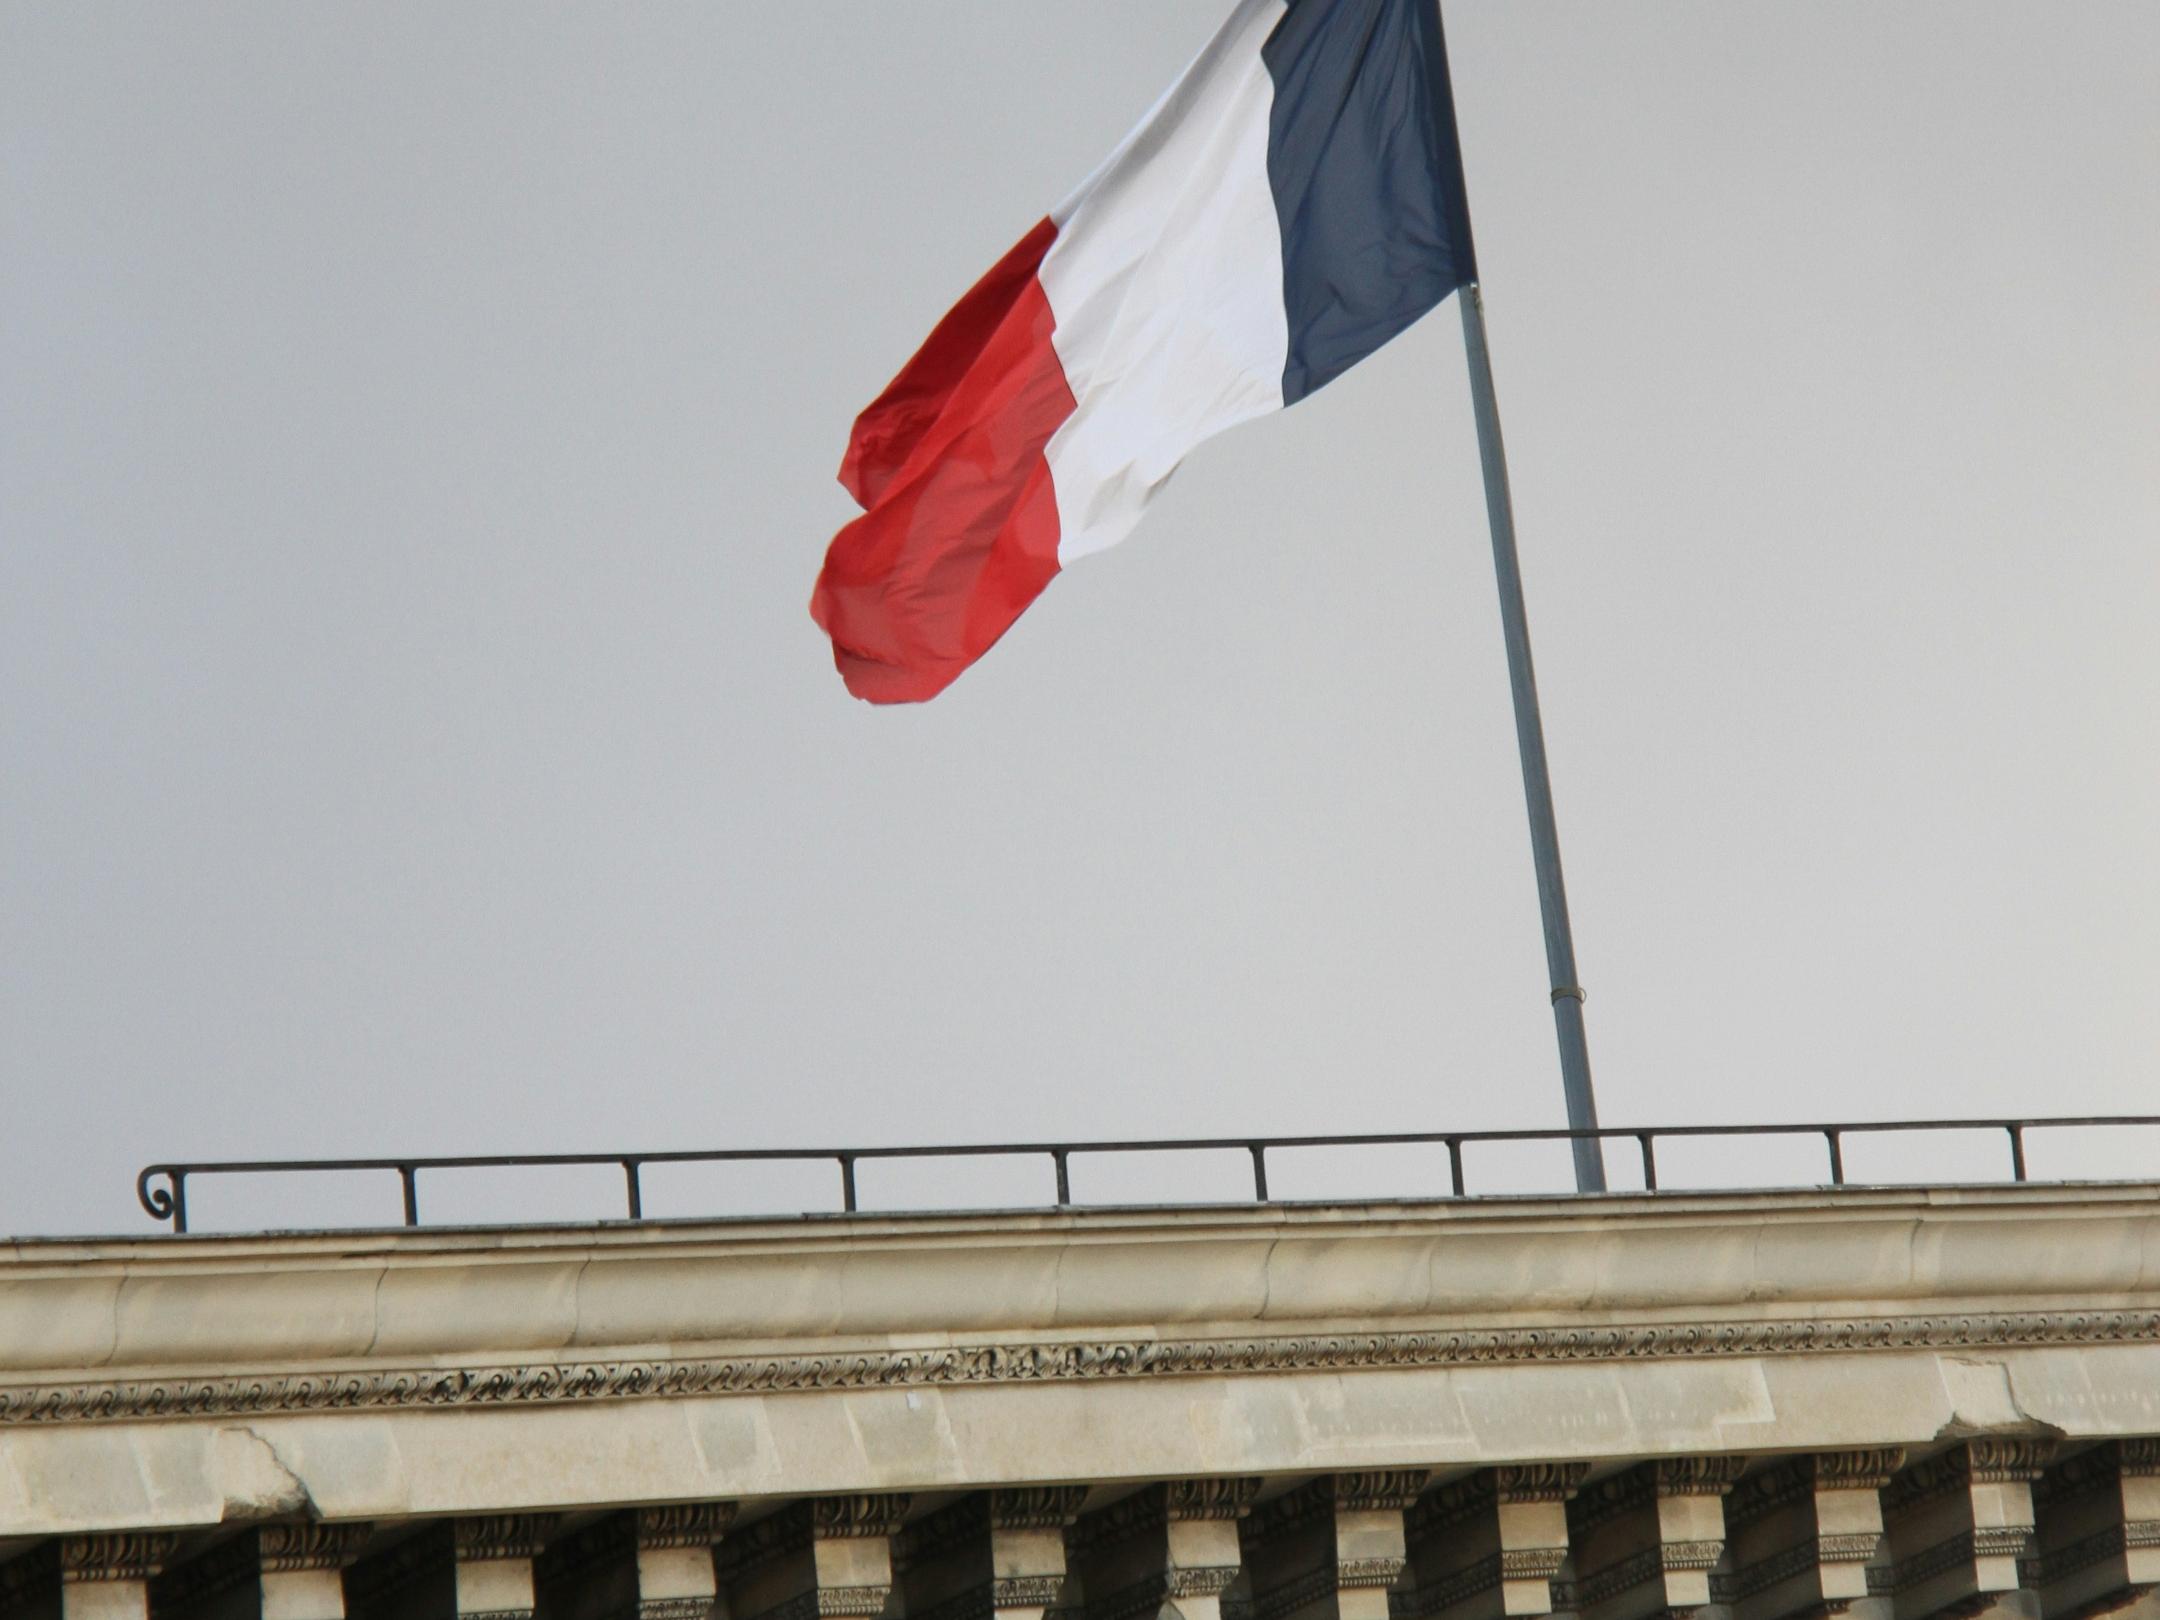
(164, 1203)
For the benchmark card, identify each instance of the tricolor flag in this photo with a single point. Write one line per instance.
(1293, 202)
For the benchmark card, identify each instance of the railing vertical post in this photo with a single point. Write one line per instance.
(847, 1182)
(1649, 1161)
(1064, 1178)
(179, 1200)
(1454, 1163)
(1837, 1158)
(1259, 1173)
(637, 1195)
(2017, 1152)
(409, 1179)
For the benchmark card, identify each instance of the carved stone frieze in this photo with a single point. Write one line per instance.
(238, 1394)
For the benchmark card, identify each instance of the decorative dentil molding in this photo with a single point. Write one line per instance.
(674, 1608)
(547, 1383)
(829, 1603)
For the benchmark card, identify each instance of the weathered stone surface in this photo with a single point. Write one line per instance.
(200, 1387)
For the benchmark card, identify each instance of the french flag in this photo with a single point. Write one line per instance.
(1293, 202)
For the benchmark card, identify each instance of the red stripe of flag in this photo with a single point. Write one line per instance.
(959, 531)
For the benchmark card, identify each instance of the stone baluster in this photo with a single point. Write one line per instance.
(273, 1572)
(995, 1555)
(1175, 1543)
(460, 1569)
(1801, 1534)
(1490, 1545)
(644, 1564)
(1331, 1549)
(98, 1577)
(1958, 1525)
(1645, 1541)
(825, 1558)
(2097, 1523)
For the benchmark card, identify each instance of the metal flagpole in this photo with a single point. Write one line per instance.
(1567, 995)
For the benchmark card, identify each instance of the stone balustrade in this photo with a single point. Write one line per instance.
(1905, 1405)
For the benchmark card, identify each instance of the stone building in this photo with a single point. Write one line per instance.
(1901, 1404)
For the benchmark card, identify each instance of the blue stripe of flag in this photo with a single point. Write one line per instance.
(1367, 173)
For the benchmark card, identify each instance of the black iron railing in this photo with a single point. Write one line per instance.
(162, 1188)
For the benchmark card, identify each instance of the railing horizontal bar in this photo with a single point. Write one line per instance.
(1228, 1144)
(169, 1202)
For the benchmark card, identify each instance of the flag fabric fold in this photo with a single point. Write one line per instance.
(1291, 204)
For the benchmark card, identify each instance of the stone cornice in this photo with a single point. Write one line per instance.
(551, 1382)
(157, 1309)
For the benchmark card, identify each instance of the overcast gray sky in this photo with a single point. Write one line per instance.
(417, 436)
